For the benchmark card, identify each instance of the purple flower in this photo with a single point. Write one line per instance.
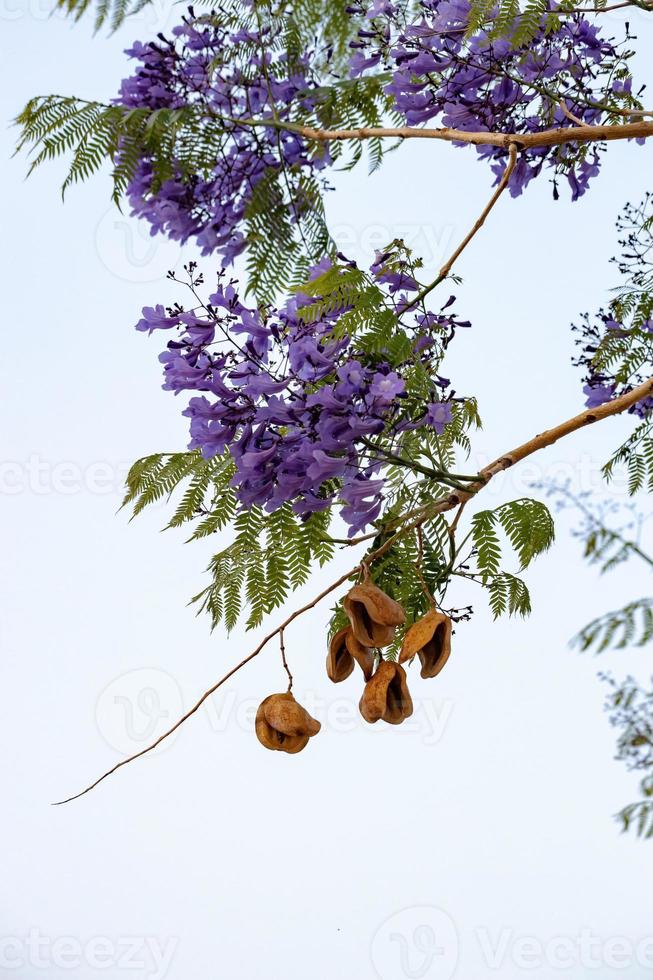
(385, 387)
(438, 415)
(155, 318)
(598, 394)
(325, 467)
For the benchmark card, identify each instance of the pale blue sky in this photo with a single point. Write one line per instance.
(493, 806)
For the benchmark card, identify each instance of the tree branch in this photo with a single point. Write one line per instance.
(541, 441)
(524, 141)
(478, 224)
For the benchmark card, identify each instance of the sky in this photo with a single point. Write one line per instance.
(475, 840)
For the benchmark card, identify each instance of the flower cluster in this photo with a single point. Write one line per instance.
(604, 336)
(308, 416)
(230, 76)
(226, 76)
(487, 84)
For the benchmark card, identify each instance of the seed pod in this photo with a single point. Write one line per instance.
(363, 656)
(386, 695)
(430, 639)
(373, 614)
(283, 725)
(339, 661)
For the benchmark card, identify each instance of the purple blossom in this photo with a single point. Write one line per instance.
(488, 84)
(598, 394)
(438, 415)
(296, 409)
(155, 318)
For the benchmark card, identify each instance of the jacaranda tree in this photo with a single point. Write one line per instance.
(320, 414)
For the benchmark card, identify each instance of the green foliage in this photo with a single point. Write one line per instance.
(278, 257)
(508, 594)
(487, 544)
(363, 308)
(636, 454)
(93, 134)
(631, 712)
(157, 476)
(110, 13)
(624, 353)
(638, 817)
(349, 104)
(528, 526)
(630, 626)
(271, 555)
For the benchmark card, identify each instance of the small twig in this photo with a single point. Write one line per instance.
(478, 224)
(283, 658)
(454, 524)
(570, 115)
(442, 476)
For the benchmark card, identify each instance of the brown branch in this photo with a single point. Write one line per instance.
(541, 441)
(478, 224)
(570, 115)
(524, 141)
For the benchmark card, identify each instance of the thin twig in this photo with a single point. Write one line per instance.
(569, 114)
(457, 499)
(454, 524)
(478, 224)
(283, 658)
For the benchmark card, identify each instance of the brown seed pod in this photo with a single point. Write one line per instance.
(339, 661)
(430, 639)
(386, 695)
(373, 614)
(363, 656)
(283, 725)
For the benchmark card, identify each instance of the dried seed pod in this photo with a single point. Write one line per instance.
(386, 695)
(283, 725)
(363, 656)
(373, 614)
(339, 661)
(430, 639)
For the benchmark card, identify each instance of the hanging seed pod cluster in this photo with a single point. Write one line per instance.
(374, 617)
